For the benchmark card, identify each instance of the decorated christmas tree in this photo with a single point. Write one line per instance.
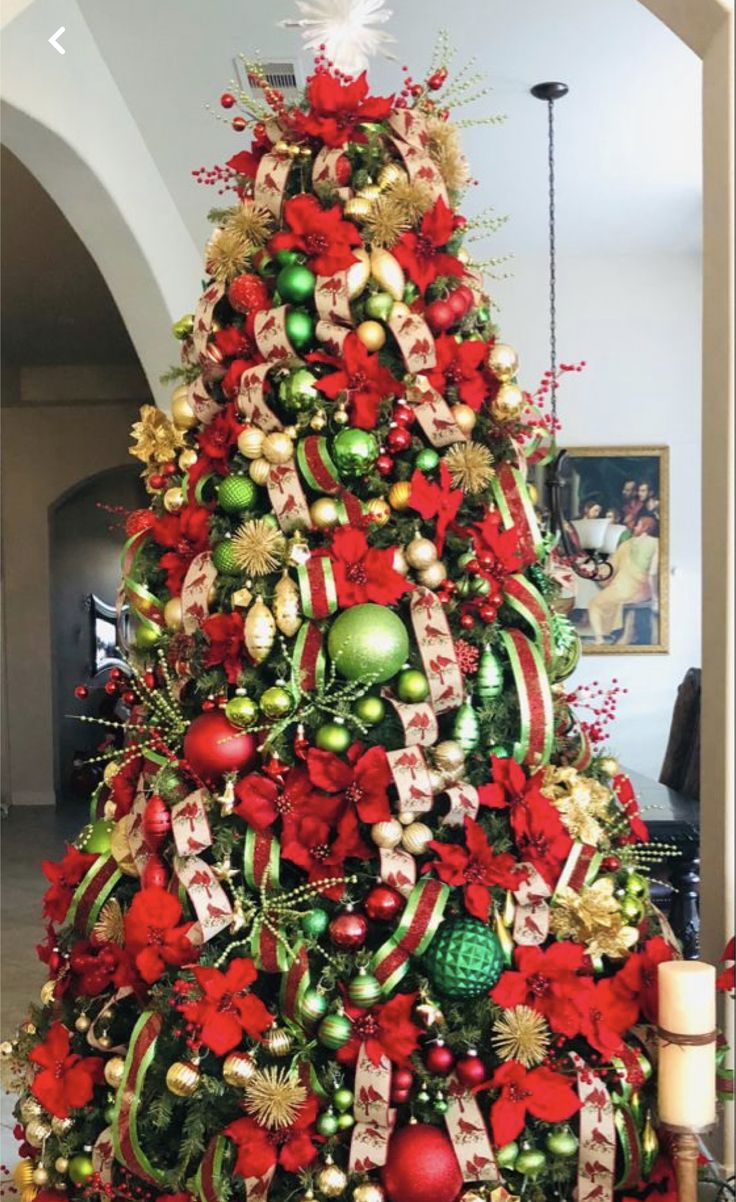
(361, 909)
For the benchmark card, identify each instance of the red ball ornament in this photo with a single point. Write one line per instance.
(471, 1070)
(467, 295)
(348, 930)
(384, 465)
(439, 1059)
(439, 316)
(227, 100)
(488, 612)
(421, 1166)
(383, 903)
(155, 874)
(248, 293)
(239, 124)
(400, 1096)
(169, 469)
(128, 698)
(213, 746)
(398, 439)
(111, 688)
(403, 414)
(458, 303)
(81, 692)
(467, 621)
(610, 863)
(403, 1078)
(156, 822)
(437, 78)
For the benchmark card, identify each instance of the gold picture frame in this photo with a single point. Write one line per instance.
(602, 514)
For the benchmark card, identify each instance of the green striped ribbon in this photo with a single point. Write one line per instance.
(92, 892)
(308, 663)
(316, 465)
(317, 587)
(261, 860)
(208, 1178)
(536, 740)
(125, 1137)
(419, 922)
(525, 598)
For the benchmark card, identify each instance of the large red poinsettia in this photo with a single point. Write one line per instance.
(224, 634)
(460, 366)
(476, 868)
(97, 967)
(66, 1081)
(639, 979)
(624, 791)
(363, 781)
(217, 439)
(422, 254)
(386, 1030)
(546, 980)
(605, 1014)
(227, 1008)
(312, 842)
(260, 801)
(363, 573)
(153, 934)
(321, 234)
(184, 535)
(498, 547)
(436, 500)
(546, 1095)
(64, 878)
(337, 108)
(541, 838)
(361, 377)
(726, 980)
(260, 1149)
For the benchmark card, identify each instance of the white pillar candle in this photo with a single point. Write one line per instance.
(687, 1072)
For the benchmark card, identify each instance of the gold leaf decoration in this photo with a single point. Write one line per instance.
(273, 1097)
(258, 547)
(593, 918)
(521, 1034)
(156, 438)
(579, 800)
(470, 465)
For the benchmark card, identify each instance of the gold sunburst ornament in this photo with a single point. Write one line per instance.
(521, 1034)
(156, 439)
(250, 223)
(258, 547)
(412, 198)
(470, 465)
(593, 918)
(386, 222)
(226, 255)
(110, 925)
(273, 1097)
(445, 151)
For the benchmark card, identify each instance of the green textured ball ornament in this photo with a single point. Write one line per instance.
(632, 909)
(636, 885)
(313, 1006)
(237, 493)
(298, 392)
(354, 451)
(489, 681)
(364, 990)
(276, 702)
(370, 709)
(464, 959)
(314, 923)
(334, 737)
(368, 642)
(427, 460)
(566, 646)
(223, 557)
(466, 727)
(80, 1169)
(299, 328)
(295, 283)
(95, 838)
(412, 686)
(334, 1031)
(241, 711)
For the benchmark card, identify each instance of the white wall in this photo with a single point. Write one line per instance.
(636, 321)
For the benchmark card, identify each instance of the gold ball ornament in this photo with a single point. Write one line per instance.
(434, 575)
(324, 513)
(278, 1041)
(399, 494)
(40, 1175)
(259, 631)
(82, 1023)
(36, 1132)
(417, 838)
(174, 499)
(609, 765)
(371, 334)
(387, 834)
(61, 1164)
(399, 562)
(449, 756)
(507, 404)
(371, 192)
(399, 310)
(503, 361)
(388, 176)
(420, 553)
(238, 1068)
(388, 272)
(250, 442)
(182, 1078)
(23, 1174)
(259, 471)
(358, 273)
(114, 1071)
(331, 1181)
(369, 1192)
(378, 510)
(278, 447)
(465, 418)
(187, 459)
(173, 614)
(30, 1108)
(358, 208)
(182, 414)
(61, 1126)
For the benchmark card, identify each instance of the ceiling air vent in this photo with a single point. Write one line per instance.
(280, 74)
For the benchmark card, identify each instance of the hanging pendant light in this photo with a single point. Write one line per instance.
(590, 564)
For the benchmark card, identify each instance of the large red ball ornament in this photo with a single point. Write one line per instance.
(384, 465)
(383, 903)
(439, 1059)
(155, 875)
(439, 316)
(471, 1070)
(458, 304)
(156, 822)
(248, 293)
(398, 439)
(421, 1166)
(213, 746)
(348, 930)
(402, 1078)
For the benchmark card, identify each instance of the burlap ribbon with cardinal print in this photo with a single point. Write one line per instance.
(433, 413)
(210, 902)
(464, 803)
(250, 400)
(469, 1135)
(531, 916)
(190, 825)
(597, 1155)
(415, 341)
(412, 780)
(272, 177)
(437, 650)
(419, 721)
(411, 141)
(195, 592)
(374, 1117)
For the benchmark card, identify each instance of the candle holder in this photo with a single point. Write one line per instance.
(685, 1139)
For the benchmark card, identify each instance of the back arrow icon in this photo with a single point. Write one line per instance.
(54, 39)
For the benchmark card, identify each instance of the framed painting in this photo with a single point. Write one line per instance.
(615, 504)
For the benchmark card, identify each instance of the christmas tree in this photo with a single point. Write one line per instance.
(361, 909)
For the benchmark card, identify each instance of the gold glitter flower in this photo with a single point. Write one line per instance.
(386, 222)
(593, 918)
(250, 223)
(226, 255)
(445, 151)
(273, 1097)
(581, 801)
(470, 465)
(110, 927)
(411, 197)
(157, 439)
(521, 1034)
(258, 547)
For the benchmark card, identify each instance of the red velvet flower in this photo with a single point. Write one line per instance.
(97, 967)
(337, 109)
(364, 573)
(386, 1030)
(726, 980)
(230, 383)
(542, 1093)
(124, 785)
(363, 781)
(246, 162)
(64, 878)
(261, 801)
(422, 254)
(257, 800)
(66, 1081)
(361, 377)
(320, 233)
(476, 868)
(260, 1149)
(311, 841)
(226, 1008)
(217, 439)
(436, 500)
(638, 979)
(489, 538)
(606, 1014)
(184, 534)
(233, 340)
(540, 837)
(460, 366)
(153, 935)
(224, 634)
(547, 981)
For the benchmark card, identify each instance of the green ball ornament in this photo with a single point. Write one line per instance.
(370, 709)
(108, 1114)
(237, 493)
(80, 1169)
(423, 1097)
(483, 314)
(334, 737)
(297, 392)
(364, 990)
(631, 909)
(223, 557)
(241, 711)
(479, 587)
(530, 1162)
(343, 1099)
(500, 750)
(345, 1122)
(489, 681)
(562, 1142)
(267, 265)
(334, 1031)
(327, 1123)
(295, 283)
(440, 1106)
(466, 727)
(636, 885)
(368, 642)
(379, 305)
(313, 1005)
(465, 958)
(182, 328)
(95, 838)
(464, 586)
(412, 685)
(506, 1156)
(276, 702)
(426, 460)
(285, 258)
(354, 451)
(146, 637)
(299, 328)
(314, 923)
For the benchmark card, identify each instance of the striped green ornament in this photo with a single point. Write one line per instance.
(334, 1031)
(489, 681)
(466, 728)
(364, 990)
(313, 1005)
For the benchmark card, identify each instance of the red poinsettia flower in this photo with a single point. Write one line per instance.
(320, 233)
(386, 1030)
(261, 801)
(124, 785)
(422, 254)
(364, 573)
(227, 1008)
(260, 1149)
(546, 1095)
(234, 341)
(224, 634)
(606, 1014)
(546, 980)
(361, 377)
(246, 162)
(726, 980)
(66, 1081)
(638, 979)
(311, 841)
(217, 439)
(64, 878)
(185, 534)
(624, 791)
(337, 108)
(256, 797)
(460, 366)
(436, 500)
(153, 935)
(98, 966)
(363, 781)
(540, 837)
(476, 868)
(490, 539)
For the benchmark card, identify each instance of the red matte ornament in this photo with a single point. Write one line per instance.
(156, 822)
(383, 904)
(348, 930)
(213, 746)
(403, 1078)
(155, 874)
(471, 1071)
(421, 1166)
(439, 1059)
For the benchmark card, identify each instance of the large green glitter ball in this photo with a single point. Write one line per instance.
(368, 642)
(464, 959)
(237, 493)
(355, 451)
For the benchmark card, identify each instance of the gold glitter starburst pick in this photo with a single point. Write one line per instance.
(521, 1034)
(411, 197)
(156, 438)
(110, 925)
(445, 151)
(258, 548)
(470, 465)
(226, 255)
(252, 224)
(386, 222)
(273, 1097)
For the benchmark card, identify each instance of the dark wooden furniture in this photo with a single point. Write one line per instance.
(675, 820)
(681, 765)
